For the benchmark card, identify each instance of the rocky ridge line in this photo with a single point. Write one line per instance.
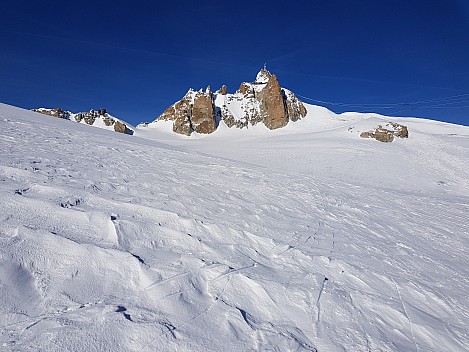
(263, 100)
(90, 118)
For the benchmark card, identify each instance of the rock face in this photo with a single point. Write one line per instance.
(194, 112)
(273, 107)
(261, 101)
(245, 89)
(180, 113)
(203, 113)
(222, 90)
(122, 128)
(295, 108)
(386, 134)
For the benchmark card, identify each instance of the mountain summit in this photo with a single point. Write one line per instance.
(263, 100)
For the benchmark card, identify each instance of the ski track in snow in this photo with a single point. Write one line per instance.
(297, 242)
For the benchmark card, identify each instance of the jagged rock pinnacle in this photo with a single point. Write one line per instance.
(260, 101)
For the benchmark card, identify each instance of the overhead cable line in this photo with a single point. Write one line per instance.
(449, 101)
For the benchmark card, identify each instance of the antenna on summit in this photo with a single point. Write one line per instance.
(265, 66)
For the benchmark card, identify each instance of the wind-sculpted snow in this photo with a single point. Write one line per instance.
(111, 242)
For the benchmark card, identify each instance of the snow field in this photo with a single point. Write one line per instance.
(125, 244)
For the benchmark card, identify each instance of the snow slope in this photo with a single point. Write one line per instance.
(304, 239)
(328, 145)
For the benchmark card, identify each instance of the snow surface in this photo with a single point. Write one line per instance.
(306, 238)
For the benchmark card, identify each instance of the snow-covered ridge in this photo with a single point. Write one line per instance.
(97, 118)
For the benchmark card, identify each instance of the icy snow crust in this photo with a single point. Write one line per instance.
(306, 238)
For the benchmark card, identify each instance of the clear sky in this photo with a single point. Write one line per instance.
(135, 58)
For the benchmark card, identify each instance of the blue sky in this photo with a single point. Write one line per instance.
(409, 58)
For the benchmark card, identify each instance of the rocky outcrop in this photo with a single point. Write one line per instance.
(222, 90)
(203, 113)
(57, 112)
(245, 89)
(386, 134)
(260, 101)
(264, 101)
(180, 113)
(108, 121)
(400, 131)
(295, 108)
(245, 98)
(194, 112)
(273, 108)
(380, 134)
(90, 118)
(230, 120)
(121, 127)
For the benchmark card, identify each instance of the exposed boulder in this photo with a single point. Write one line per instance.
(121, 127)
